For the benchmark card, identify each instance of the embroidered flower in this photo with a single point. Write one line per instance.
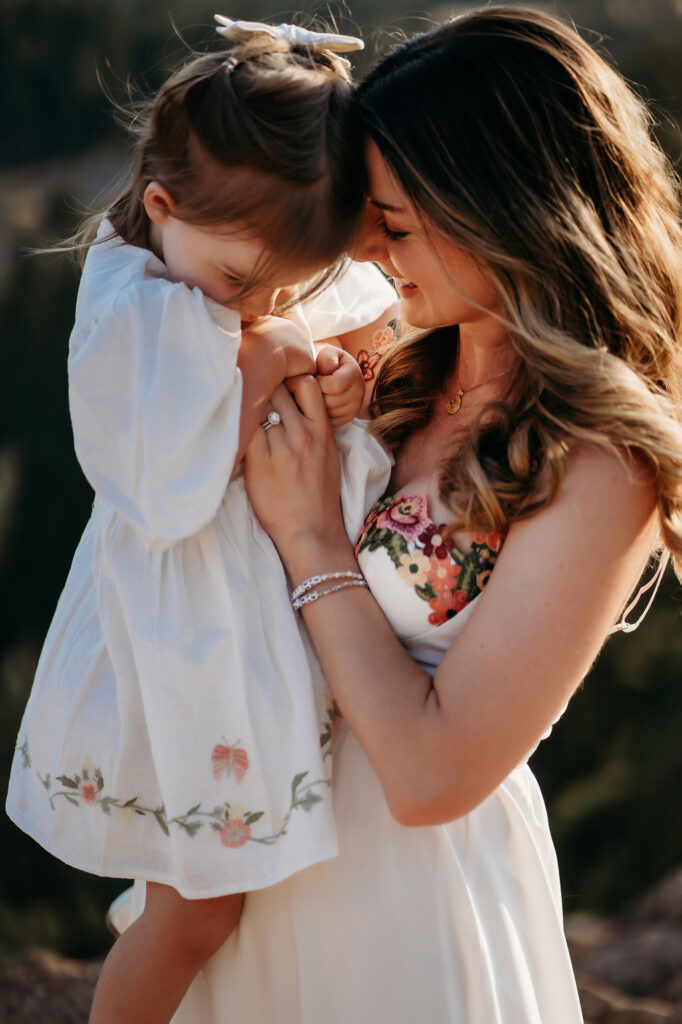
(367, 363)
(88, 791)
(495, 540)
(406, 516)
(232, 822)
(383, 339)
(492, 540)
(228, 760)
(414, 568)
(368, 526)
(235, 833)
(446, 606)
(435, 542)
(443, 575)
(482, 578)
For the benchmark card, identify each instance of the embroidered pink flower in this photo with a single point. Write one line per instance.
(383, 340)
(369, 523)
(407, 516)
(443, 575)
(88, 791)
(235, 833)
(367, 363)
(446, 606)
(435, 542)
(228, 760)
(414, 568)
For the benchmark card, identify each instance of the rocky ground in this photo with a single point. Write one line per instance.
(629, 970)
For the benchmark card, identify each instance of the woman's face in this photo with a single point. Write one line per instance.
(438, 283)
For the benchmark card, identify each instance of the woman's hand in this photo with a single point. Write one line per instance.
(292, 470)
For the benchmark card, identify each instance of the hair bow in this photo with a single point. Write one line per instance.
(240, 30)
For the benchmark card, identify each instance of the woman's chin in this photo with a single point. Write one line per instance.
(413, 316)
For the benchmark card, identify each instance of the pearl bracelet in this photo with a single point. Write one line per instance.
(313, 595)
(314, 581)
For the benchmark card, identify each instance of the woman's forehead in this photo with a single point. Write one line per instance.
(384, 188)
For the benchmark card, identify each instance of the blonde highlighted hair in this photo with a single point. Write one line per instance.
(517, 142)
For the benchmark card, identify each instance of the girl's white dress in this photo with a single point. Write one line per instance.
(178, 728)
(455, 924)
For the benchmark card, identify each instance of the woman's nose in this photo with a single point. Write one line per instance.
(370, 245)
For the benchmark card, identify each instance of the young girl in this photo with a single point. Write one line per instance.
(177, 729)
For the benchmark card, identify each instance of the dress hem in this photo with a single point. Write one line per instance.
(28, 827)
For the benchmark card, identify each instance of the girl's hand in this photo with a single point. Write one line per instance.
(282, 343)
(292, 470)
(271, 350)
(341, 382)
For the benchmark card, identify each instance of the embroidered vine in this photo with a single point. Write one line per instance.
(233, 823)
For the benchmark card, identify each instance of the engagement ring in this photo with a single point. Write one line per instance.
(273, 418)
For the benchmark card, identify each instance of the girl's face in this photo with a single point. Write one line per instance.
(216, 259)
(438, 283)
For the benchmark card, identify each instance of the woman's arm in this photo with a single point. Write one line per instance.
(441, 745)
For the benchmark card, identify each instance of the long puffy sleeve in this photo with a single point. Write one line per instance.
(155, 396)
(355, 298)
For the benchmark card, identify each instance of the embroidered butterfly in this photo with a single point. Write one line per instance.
(228, 760)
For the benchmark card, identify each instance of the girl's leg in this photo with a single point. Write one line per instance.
(151, 965)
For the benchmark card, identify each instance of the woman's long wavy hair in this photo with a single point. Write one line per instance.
(259, 137)
(516, 141)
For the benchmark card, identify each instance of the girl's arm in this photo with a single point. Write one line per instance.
(441, 745)
(271, 350)
(163, 401)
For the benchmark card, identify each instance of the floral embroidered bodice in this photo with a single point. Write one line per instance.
(438, 582)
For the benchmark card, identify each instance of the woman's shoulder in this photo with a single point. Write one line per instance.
(619, 479)
(602, 521)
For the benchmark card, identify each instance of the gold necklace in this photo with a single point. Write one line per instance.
(455, 401)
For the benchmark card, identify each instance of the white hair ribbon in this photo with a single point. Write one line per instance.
(240, 30)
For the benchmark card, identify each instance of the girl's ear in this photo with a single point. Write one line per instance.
(158, 202)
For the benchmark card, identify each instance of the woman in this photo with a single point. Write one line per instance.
(530, 226)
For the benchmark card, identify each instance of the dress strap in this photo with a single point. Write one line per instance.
(629, 627)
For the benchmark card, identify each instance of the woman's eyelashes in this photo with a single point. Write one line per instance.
(395, 236)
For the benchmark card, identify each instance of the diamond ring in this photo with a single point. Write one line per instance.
(272, 420)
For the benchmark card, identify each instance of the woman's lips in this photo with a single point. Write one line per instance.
(404, 288)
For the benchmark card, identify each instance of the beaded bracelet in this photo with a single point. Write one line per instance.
(313, 595)
(314, 581)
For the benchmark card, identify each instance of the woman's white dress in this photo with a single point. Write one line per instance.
(455, 924)
(178, 727)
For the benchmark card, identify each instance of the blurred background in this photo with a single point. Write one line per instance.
(612, 769)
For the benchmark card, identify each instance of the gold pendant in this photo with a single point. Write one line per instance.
(454, 403)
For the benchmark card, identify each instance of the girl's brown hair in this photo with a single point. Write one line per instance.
(520, 144)
(262, 138)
